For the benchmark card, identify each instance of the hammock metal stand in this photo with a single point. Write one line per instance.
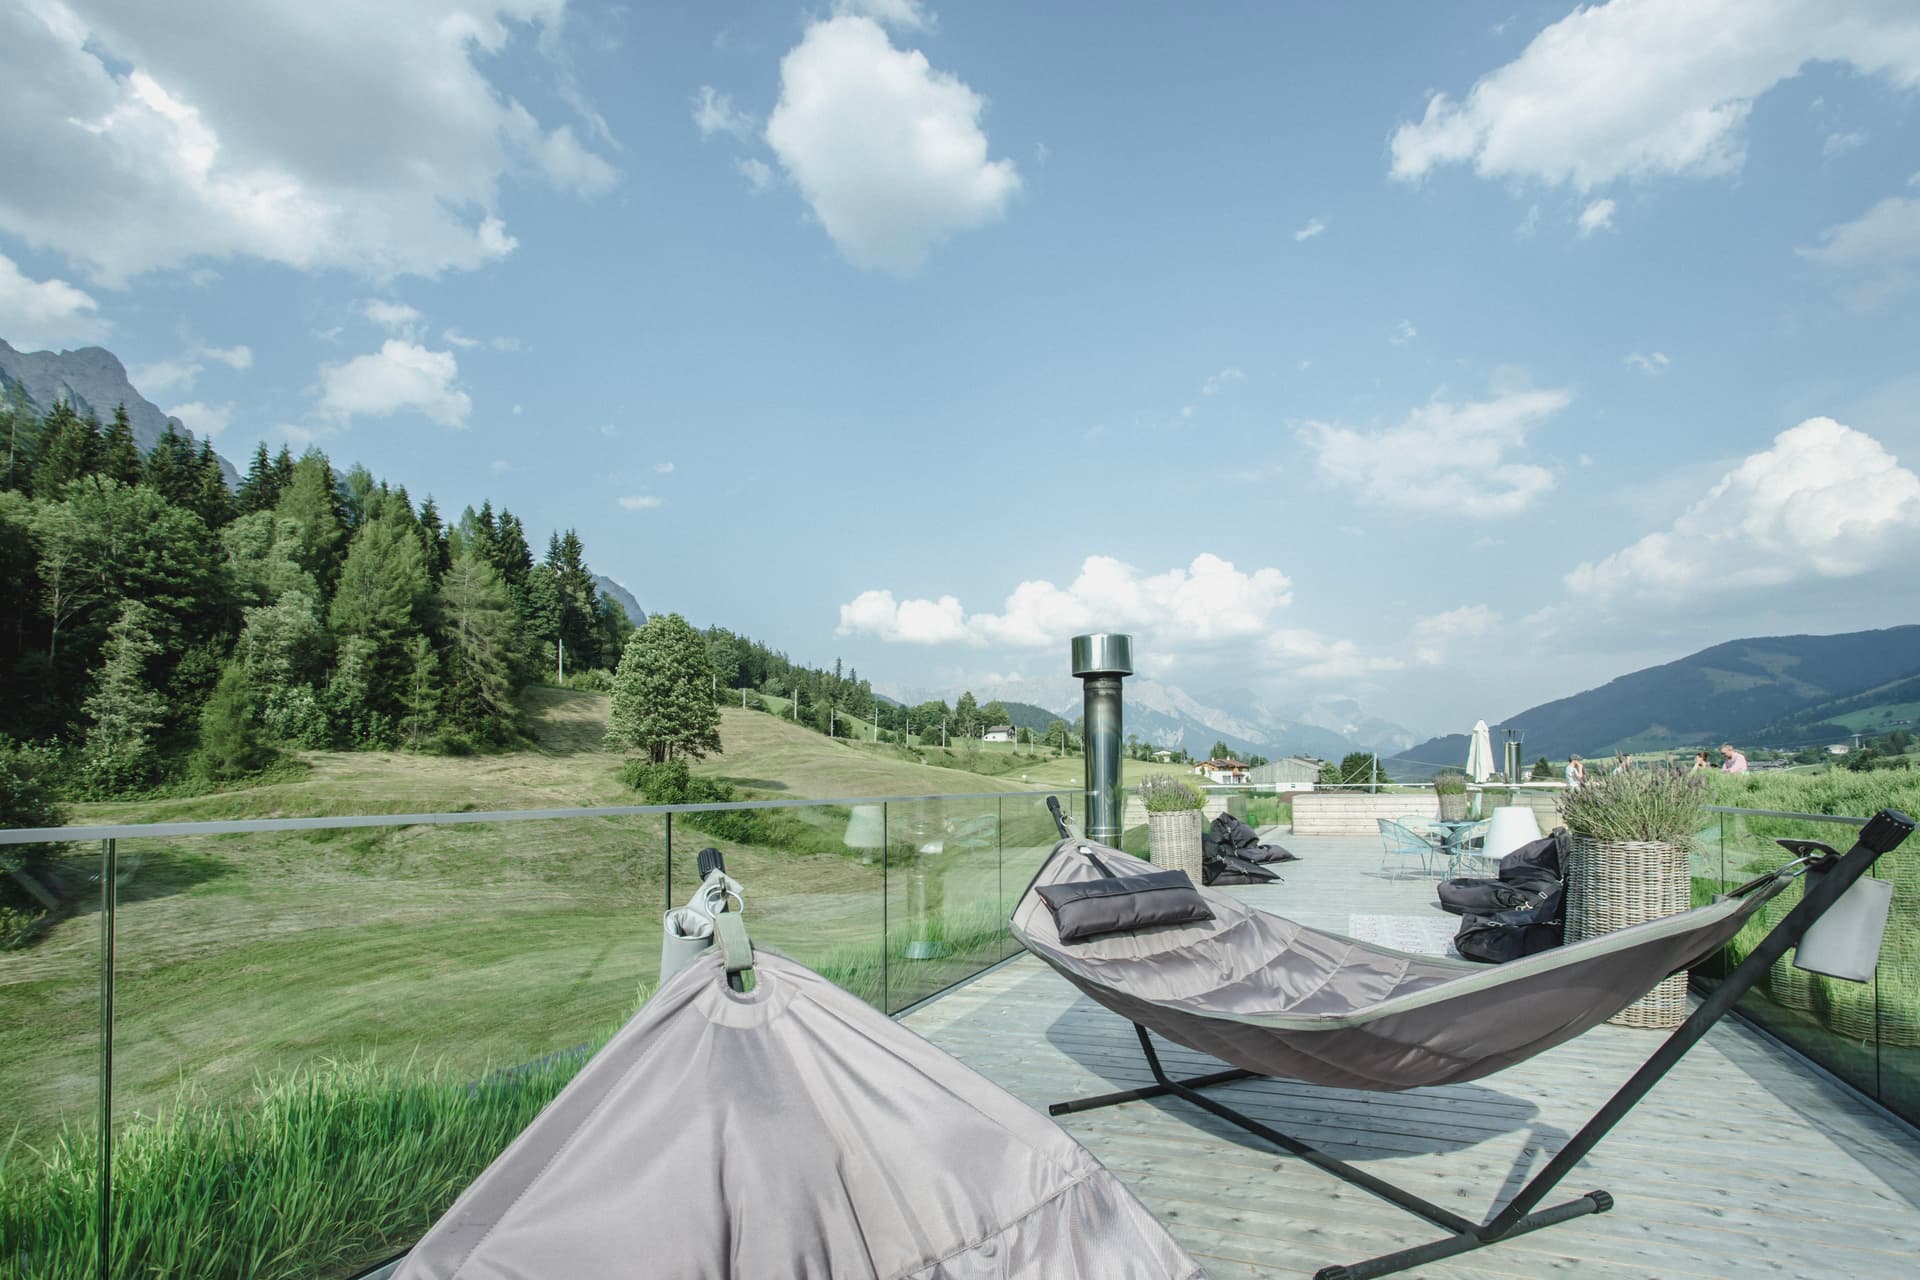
(1881, 834)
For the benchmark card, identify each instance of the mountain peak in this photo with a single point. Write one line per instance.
(91, 379)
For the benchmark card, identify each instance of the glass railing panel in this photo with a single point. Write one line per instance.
(812, 880)
(1027, 836)
(50, 1060)
(944, 922)
(321, 1037)
(1830, 1020)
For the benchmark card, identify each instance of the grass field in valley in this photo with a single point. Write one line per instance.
(426, 953)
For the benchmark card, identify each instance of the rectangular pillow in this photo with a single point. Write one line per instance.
(1122, 904)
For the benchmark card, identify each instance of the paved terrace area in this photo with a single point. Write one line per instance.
(1744, 1161)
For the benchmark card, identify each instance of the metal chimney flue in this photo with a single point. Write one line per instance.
(1100, 662)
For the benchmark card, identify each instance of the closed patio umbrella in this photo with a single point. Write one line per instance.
(1480, 753)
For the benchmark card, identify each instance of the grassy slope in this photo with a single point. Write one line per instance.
(471, 945)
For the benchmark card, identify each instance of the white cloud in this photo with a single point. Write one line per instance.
(505, 343)
(1403, 333)
(181, 372)
(1597, 216)
(1434, 636)
(1880, 249)
(374, 141)
(1636, 89)
(1825, 501)
(1220, 381)
(714, 112)
(901, 15)
(1529, 224)
(1309, 655)
(499, 466)
(454, 338)
(205, 420)
(1313, 228)
(1443, 458)
(400, 376)
(757, 172)
(887, 151)
(641, 502)
(395, 317)
(45, 313)
(1840, 143)
(1207, 602)
(165, 375)
(663, 468)
(238, 357)
(1651, 362)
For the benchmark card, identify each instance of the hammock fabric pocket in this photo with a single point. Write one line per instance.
(1121, 904)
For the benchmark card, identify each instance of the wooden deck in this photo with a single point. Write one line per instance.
(1744, 1161)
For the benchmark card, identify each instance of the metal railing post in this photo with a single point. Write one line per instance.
(886, 930)
(1101, 662)
(109, 894)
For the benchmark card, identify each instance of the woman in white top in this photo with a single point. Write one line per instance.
(1576, 773)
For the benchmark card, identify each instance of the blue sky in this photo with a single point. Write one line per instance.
(1448, 358)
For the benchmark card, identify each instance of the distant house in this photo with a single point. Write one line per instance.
(1297, 773)
(998, 733)
(1164, 756)
(1225, 772)
(1838, 749)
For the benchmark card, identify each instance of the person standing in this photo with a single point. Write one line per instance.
(1732, 761)
(1576, 773)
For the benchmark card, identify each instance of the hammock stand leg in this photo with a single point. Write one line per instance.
(1882, 834)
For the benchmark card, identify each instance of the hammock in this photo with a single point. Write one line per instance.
(1279, 999)
(786, 1130)
(1276, 998)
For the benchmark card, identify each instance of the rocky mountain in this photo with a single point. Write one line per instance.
(1770, 691)
(90, 378)
(623, 597)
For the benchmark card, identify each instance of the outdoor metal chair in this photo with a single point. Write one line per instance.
(1466, 852)
(1402, 841)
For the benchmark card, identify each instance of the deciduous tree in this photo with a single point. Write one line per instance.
(662, 693)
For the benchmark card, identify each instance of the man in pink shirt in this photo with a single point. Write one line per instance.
(1732, 761)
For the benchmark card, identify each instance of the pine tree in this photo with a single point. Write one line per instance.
(119, 455)
(233, 741)
(283, 465)
(512, 557)
(662, 699)
(420, 699)
(260, 490)
(124, 708)
(20, 437)
(477, 638)
(309, 499)
(69, 449)
(211, 501)
(434, 541)
(170, 469)
(966, 715)
(382, 599)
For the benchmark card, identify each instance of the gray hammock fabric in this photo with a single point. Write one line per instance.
(789, 1131)
(1277, 998)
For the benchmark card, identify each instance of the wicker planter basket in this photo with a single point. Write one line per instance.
(1453, 807)
(1613, 884)
(1173, 841)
